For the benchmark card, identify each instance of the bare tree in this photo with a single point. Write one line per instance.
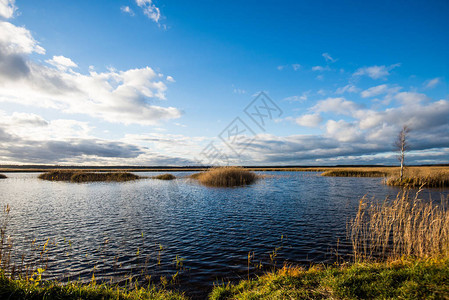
(401, 145)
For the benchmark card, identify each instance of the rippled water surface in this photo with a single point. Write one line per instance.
(138, 228)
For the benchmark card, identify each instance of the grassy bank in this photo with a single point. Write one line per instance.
(75, 176)
(405, 279)
(164, 177)
(426, 177)
(3, 176)
(22, 289)
(225, 177)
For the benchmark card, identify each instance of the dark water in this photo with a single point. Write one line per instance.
(137, 229)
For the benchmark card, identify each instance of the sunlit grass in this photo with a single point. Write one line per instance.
(402, 226)
(226, 177)
(405, 279)
(354, 173)
(76, 176)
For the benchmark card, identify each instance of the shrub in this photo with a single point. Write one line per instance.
(3, 176)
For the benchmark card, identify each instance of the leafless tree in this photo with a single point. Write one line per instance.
(402, 146)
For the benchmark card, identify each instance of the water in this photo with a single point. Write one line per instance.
(137, 229)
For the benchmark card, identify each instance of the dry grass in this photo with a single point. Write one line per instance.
(403, 226)
(417, 177)
(354, 173)
(3, 176)
(164, 177)
(76, 176)
(225, 177)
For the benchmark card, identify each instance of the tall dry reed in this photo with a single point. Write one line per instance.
(402, 226)
(226, 177)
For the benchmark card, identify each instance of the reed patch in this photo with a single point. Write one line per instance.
(78, 177)
(226, 177)
(3, 176)
(167, 176)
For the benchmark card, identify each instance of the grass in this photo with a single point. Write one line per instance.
(3, 176)
(403, 226)
(225, 177)
(405, 279)
(76, 176)
(165, 177)
(25, 289)
(354, 173)
(425, 177)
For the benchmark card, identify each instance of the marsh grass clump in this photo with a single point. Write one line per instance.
(76, 176)
(164, 177)
(354, 173)
(436, 180)
(226, 177)
(404, 226)
(3, 176)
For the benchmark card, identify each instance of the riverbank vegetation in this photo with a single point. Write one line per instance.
(3, 176)
(225, 177)
(164, 177)
(78, 177)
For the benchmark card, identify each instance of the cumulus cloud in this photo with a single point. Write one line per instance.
(338, 105)
(115, 96)
(149, 9)
(62, 62)
(311, 120)
(7, 8)
(410, 97)
(379, 90)
(349, 88)
(375, 72)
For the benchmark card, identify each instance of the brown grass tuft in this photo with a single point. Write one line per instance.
(3, 176)
(226, 177)
(402, 226)
(164, 177)
(63, 175)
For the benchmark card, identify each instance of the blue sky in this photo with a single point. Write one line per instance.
(143, 82)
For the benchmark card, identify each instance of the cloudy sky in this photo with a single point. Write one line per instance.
(169, 82)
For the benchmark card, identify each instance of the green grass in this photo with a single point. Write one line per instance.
(408, 279)
(3, 176)
(76, 176)
(22, 289)
(164, 177)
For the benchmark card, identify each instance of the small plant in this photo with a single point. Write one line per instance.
(3, 176)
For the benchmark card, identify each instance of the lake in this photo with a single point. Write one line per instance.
(161, 228)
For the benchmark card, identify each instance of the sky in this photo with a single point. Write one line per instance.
(182, 83)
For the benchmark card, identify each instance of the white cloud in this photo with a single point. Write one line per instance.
(127, 9)
(115, 96)
(375, 72)
(327, 57)
(342, 131)
(62, 62)
(7, 8)
(17, 40)
(429, 84)
(312, 120)
(280, 68)
(380, 90)
(336, 105)
(350, 88)
(149, 9)
(410, 97)
(170, 79)
(320, 68)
